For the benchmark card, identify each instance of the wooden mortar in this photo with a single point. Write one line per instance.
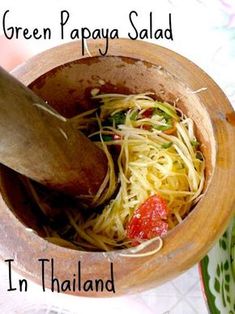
(65, 79)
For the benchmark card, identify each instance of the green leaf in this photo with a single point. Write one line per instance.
(167, 145)
(195, 143)
(117, 118)
(107, 138)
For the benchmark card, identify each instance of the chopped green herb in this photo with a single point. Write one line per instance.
(118, 118)
(134, 115)
(195, 143)
(107, 138)
(167, 145)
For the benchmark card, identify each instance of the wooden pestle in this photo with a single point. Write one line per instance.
(39, 143)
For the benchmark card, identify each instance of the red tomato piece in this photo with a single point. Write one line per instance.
(147, 127)
(148, 220)
(148, 113)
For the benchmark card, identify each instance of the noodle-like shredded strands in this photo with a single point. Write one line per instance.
(132, 252)
(144, 167)
(154, 157)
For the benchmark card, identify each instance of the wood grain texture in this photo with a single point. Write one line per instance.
(41, 144)
(135, 67)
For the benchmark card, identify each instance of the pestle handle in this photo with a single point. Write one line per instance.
(41, 144)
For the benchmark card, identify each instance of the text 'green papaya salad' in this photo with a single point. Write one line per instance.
(155, 173)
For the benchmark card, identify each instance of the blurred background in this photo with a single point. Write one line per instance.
(204, 32)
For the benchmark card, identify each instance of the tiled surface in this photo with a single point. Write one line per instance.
(204, 32)
(178, 295)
